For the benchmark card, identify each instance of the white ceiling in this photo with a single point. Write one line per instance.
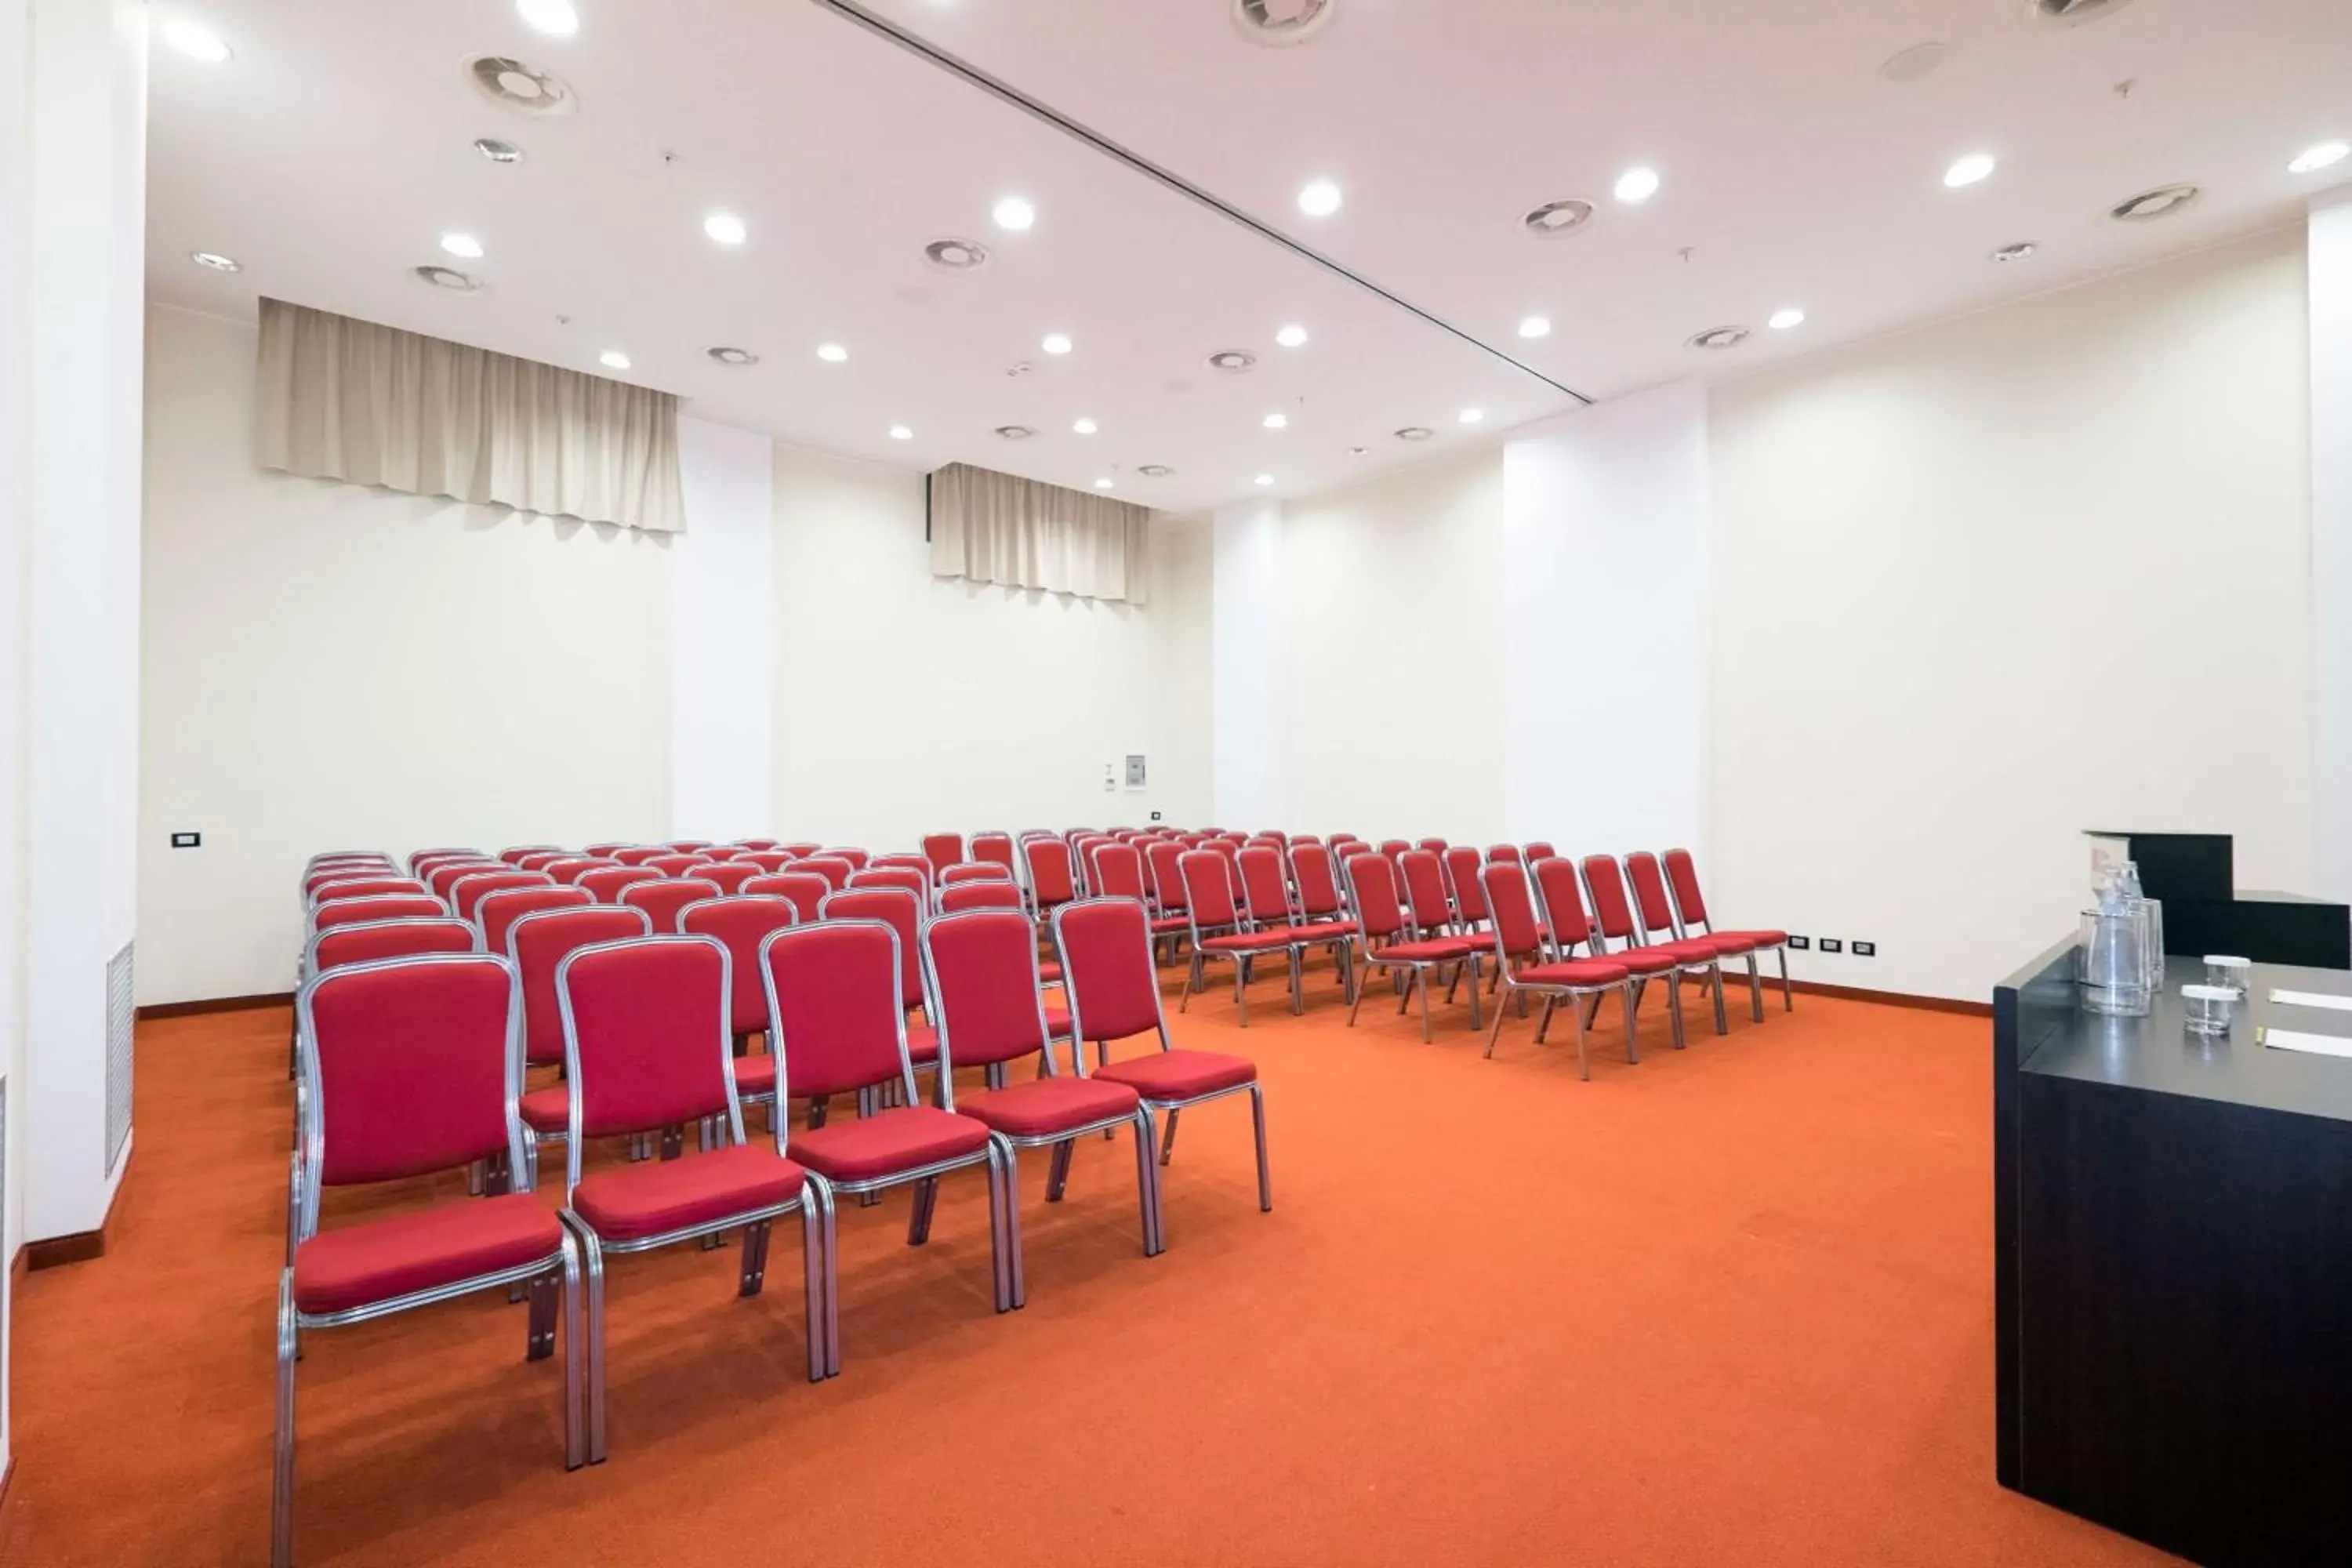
(331, 153)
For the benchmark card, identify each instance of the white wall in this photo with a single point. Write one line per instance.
(331, 666)
(1391, 593)
(1181, 625)
(722, 676)
(1604, 616)
(1987, 584)
(15, 526)
(906, 703)
(1249, 670)
(2328, 267)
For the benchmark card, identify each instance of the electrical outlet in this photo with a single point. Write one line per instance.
(1155, 817)
(1865, 950)
(187, 840)
(1831, 945)
(1801, 943)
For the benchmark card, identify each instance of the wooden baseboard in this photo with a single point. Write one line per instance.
(19, 1266)
(214, 1005)
(1884, 998)
(56, 1251)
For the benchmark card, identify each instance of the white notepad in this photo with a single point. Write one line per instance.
(2321, 1045)
(2313, 999)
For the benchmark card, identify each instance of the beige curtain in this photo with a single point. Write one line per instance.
(994, 528)
(344, 399)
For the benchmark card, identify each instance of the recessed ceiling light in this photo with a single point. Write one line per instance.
(215, 260)
(1265, 478)
(1277, 421)
(1782, 319)
(1967, 171)
(516, 85)
(732, 356)
(2315, 159)
(1318, 198)
(1015, 432)
(1083, 426)
(832, 353)
(1471, 415)
(1637, 186)
(2161, 202)
(1535, 327)
(726, 228)
(1102, 484)
(497, 152)
(1567, 216)
(1291, 336)
(900, 433)
(1155, 470)
(2071, 12)
(198, 43)
(1716, 337)
(956, 255)
(463, 244)
(1057, 344)
(1233, 362)
(449, 277)
(555, 16)
(2018, 252)
(1415, 432)
(614, 359)
(1014, 214)
(1279, 22)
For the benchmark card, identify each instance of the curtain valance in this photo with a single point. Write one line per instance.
(994, 528)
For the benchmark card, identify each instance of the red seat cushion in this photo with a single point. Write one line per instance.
(1042, 1107)
(1644, 959)
(1437, 949)
(1058, 1020)
(862, 1148)
(661, 1195)
(1681, 951)
(1247, 942)
(1759, 938)
(1048, 973)
(1725, 943)
(378, 1259)
(1323, 931)
(547, 1109)
(922, 1042)
(755, 1075)
(1172, 925)
(1180, 1074)
(1575, 972)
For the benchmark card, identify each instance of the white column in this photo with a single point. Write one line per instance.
(722, 665)
(2330, 244)
(1605, 614)
(88, 267)
(1249, 670)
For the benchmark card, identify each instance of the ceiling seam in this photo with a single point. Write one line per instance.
(995, 87)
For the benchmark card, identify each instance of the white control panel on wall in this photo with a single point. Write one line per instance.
(1136, 771)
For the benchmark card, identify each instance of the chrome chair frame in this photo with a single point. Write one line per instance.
(1511, 986)
(1706, 928)
(1421, 969)
(1709, 971)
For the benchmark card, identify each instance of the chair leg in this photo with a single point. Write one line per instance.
(1241, 989)
(538, 1338)
(1057, 1174)
(575, 1414)
(591, 1258)
(754, 1270)
(816, 1109)
(1355, 996)
(1193, 979)
(816, 1272)
(1545, 1023)
(1168, 1140)
(1715, 980)
(1421, 979)
(1006, 1212)
(1674, 1011)
(1257, 1121)
(1788, 997)
(1474, 991)
(281, 1491)
(1625, 996)
(1583, 1067)
(919, 1224)
(1755, 989)
(1497, 1032)
(1147, 1182)
(1298, 985)
(831, 1246)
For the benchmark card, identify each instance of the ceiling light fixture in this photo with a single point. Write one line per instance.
(1155, 470)
(1014, 214)
(613, 358)
(1635, 187)
(1265, 478)
(1967, 171)
(215, 260)
(1277, 421)
(2071, 12)
(1083, 426)
(1471, 415)
(1782, 319)
(525, 89)
(1318, 198)
(1057, 344)
(726, 228)
(2161, 202)
(448, 278)
(463, 244)
(956, 255)
(2314, 159)
(900, 433)
(1291, 336)
(1015, 432)
(198, 43)
(1280, 22)
(1358, 451)
(738, 358)
(2018, 252)
(1718, 338)
(1567, 216)
(497, 152)
(1102, 484)
(832, 353)
(1535, 327)
(1415, 432)
(1233, 362)
(554, 16)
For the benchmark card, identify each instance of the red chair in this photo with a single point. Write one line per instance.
(902, 911)
(1429, 897)
(1267, 899)
(375, 939)
(1392, 848)
(903, 877)
(741, 925)
(1520, 966)
(1462, 865)
(1537, 849)
(1048, 859)
(645, 1046)
(1683, 877)
(756, 846)
(676, 864)
(840, 1027)
(639, 854)
(956, 897)
(917, 864)
(1219, 929)
(419, 859)
(800, 851)
(465, 897)
(1560, 905)
(324, 890)
(419, 1060)
(387, 907)
(1381, 918)
(354, 858)
(1604, 885)
(835, 870)
(855, 858)
(689, 846)
(1318, 889)
(1165, 863)
(943, 850)
(729, 875)
(769, 861)
(1658, 911)
(447, 874)
(1504, 852)
(606, 850)
(663, 899)
(804, 892)
(1434, 846)
(513, 856)
(537, 945)
(1114, 989)
(996, 850)
(499, 911)
(980, 975)
(608, 882)
(572, 867)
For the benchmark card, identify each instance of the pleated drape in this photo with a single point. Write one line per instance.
(994, 528)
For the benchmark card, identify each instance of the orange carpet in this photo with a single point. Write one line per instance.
(1731, 1306)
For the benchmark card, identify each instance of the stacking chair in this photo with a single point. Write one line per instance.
(608, 882)
(1171, 919)
(769, 861)
(1537, 849)
(799, 851)
(1518, 935)
(1691, 909)
(1220, 930)
(839, 1026)
(729, 875)
(384, 907)
(1657, 910)
(1462, 865)
(1386, 939)
(497, 912)
(645, 1046)
(917, 864)
(467, 894)
(319, 888)
(804, 891)
(904, 878)
(638, 854)
(419, 859)
(676, 864)
(756, 846)
(419, 1060)
(664, 898)
(400, 937)
(572, 867)
(1613, 921)
(1391, 849)
(515, 855)
(902, 911)
(1114, 989)
(445, 875)
(1434, 911)
(606, 850)
(856, 858)
(689, 846)
(956, 897)
(835, 870)
(979, 971)
(1267, 899)
(1509, 852)
(1048, 859)
(1114, 869)
(1560, 905)
(741, 924)
(537, 945)
(1319, 904)
(1434, 846)
(976, 872)
(995, 849)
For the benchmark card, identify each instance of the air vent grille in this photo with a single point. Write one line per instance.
(524, 89)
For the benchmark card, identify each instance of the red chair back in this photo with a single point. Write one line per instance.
(943, 849)
(729, 875)
(856, 858)
(835, 870)
(1504, 852)
(517, 854)
(1166, 861)
(1605, 884)
(388, 907)
(899, 909)
(769, 861)
(900, 876)
(323, 890)
(646, 1041)
(1538, 850)
(676, 864)
(1209, 889)
(1684, 875)
(499, 911)
(466, 898)
(833, 995)
(1266, 891)
(1563, 903)
(1649, 893)
(1434, 846)
(1392, 847)
(1115, 870)
(1107, 971)
(917, 864)
(411, 1065)
(742, 925)
(984, 995)
(1372, 890)
(1424, 890)
(689, 846)
(1462, 864)
(608, 882)
(995, 849)
(447, 874)
(570, 868)
(975, 871)
(606, 850)
(1318, 890)
(421, 861)
(663, 899)
(638, 854)
(958, 897)
(804, 892)
(1049, 871)
(540, 943)
(756, 846)
(1517, 932)
(376, 940)
(800, 851)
